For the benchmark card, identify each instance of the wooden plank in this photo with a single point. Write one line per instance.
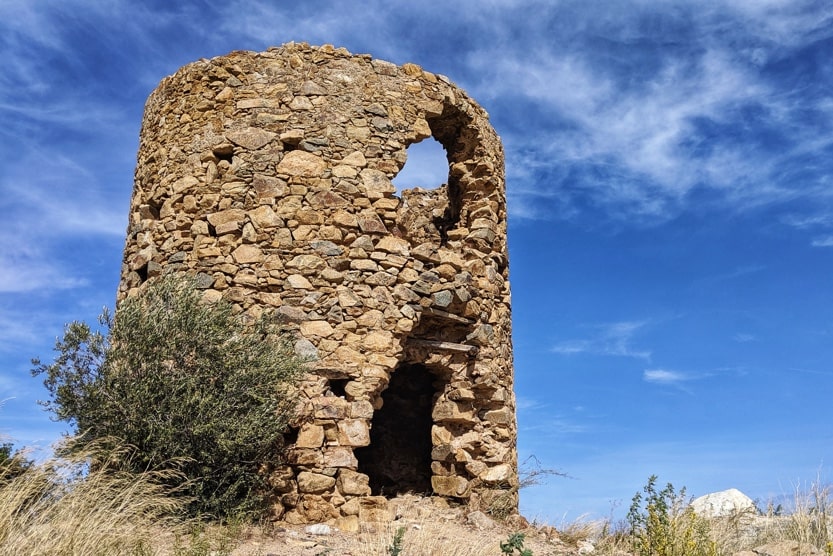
(448, 346)
(446, 315)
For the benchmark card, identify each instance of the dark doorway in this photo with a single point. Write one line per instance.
(398, 459)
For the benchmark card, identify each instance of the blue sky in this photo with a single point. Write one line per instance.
(669, 170)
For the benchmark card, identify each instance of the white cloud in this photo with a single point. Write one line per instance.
(662, 376)
(637, 139)
(21, 273)
(614, 339)
(823, 241)
(743, 338)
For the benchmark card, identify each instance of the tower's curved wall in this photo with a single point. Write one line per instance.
(268, 176)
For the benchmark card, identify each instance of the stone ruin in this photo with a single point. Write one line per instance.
(268, 177)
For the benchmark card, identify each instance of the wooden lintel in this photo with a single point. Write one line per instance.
(446, 315)
(448, 346)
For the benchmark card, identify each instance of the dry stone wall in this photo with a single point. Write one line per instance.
(268, 176)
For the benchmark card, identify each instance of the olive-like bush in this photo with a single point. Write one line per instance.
(185, 382)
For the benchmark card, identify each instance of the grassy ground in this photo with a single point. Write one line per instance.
(62, 507)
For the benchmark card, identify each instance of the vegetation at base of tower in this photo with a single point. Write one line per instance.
(188, 384)
(515, 543)
(395, 548)
(662, 523)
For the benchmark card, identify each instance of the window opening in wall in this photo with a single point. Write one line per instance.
(338, 386)
(398, 459)
(426, 166)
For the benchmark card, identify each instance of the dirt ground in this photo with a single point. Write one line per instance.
(430, 527)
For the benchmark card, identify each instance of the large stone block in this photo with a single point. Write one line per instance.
(314, 482)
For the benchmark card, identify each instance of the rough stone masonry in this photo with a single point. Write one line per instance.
(268, 176)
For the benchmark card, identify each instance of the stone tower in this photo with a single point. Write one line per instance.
(268, 176)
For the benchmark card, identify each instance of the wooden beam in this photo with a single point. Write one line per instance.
(446, 315)
(448, 346)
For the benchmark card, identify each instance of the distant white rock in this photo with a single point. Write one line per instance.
(723, 503)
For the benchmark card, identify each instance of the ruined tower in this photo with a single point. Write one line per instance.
(268, 176)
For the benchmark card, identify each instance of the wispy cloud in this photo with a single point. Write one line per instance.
(614, 339)
(743, 338)
(663, 376)
(824, 241)
(649, 105)
(733, 274)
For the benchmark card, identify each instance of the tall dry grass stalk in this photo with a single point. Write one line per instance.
(64, 507)
(809, 522)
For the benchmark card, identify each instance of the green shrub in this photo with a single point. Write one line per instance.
(13, 463)
(395, 549)
(663, 524)
(185, 382)
(514, 543)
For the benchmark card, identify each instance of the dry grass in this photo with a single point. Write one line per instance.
(427, 539)
(61, 507)
(809, 522)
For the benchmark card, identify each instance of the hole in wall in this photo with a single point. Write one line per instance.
(426, 166)
(338, 386)
(398, 459)
(290, 437)
(143, 272)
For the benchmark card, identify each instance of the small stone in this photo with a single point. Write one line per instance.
(231, 216)
(355, 158)
(310, 436)
(498, 474)
(298, 282)
(376, 184)
(442, 298)
(449, 486)
(251, 138)
(314, 482)
(353, 483)
(185, 183)
(264, 217)
(480, 521)
(340, 457)
(308, 263)
(348, 523)
(311, 88)
(326, 248)
(319, 328)
(483, 335)
(306, 350)
(371, 223)
(247, 254)
(301, 103)
(391, 244)
(203, 281)
(353, 432)
(318, 529)
(301, 163)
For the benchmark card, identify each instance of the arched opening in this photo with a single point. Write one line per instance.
(426, 166)
(398, 459)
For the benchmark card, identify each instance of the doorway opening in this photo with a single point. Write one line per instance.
(398, 459)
